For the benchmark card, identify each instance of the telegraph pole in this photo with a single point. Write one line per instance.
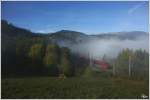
(129, 65)
(114, 68)
(90, 60)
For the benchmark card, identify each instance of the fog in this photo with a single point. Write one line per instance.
(97, 48)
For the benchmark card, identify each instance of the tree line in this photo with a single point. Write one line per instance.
(27, 53)
(132, 63)
(36, 56)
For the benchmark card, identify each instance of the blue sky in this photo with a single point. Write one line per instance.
(87, 17)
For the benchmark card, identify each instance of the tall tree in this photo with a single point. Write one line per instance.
(65, 66)
(141, 63)
(135, 63)
(122, 62)
(35, 52)
(36, 55)
(51, 59)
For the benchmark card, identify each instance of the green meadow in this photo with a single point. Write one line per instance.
(91, 88)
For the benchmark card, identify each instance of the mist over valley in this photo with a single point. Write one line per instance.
(97, 46)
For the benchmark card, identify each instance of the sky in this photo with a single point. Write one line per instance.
(87, 17)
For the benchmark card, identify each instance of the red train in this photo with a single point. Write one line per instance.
(101, 64)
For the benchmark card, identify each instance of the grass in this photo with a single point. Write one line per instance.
(52, 87)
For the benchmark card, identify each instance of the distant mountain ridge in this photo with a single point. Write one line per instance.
(68, 37)
(77, 42)
(65, 36)
(123, 35)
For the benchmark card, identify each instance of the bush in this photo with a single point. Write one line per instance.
(88, 72)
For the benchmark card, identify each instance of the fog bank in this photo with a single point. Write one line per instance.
(97, 48)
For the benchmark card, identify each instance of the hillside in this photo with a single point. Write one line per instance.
(75, 40)
(34, 64)
(66, 37)
(13, 31)
(133, 35)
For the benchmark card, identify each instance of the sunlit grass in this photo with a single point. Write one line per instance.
(52, 87)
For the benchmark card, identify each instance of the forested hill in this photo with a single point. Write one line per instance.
(10, 30)
(27, 53)
(10, 34)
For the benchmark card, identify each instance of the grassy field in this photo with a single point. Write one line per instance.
(48, 87)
